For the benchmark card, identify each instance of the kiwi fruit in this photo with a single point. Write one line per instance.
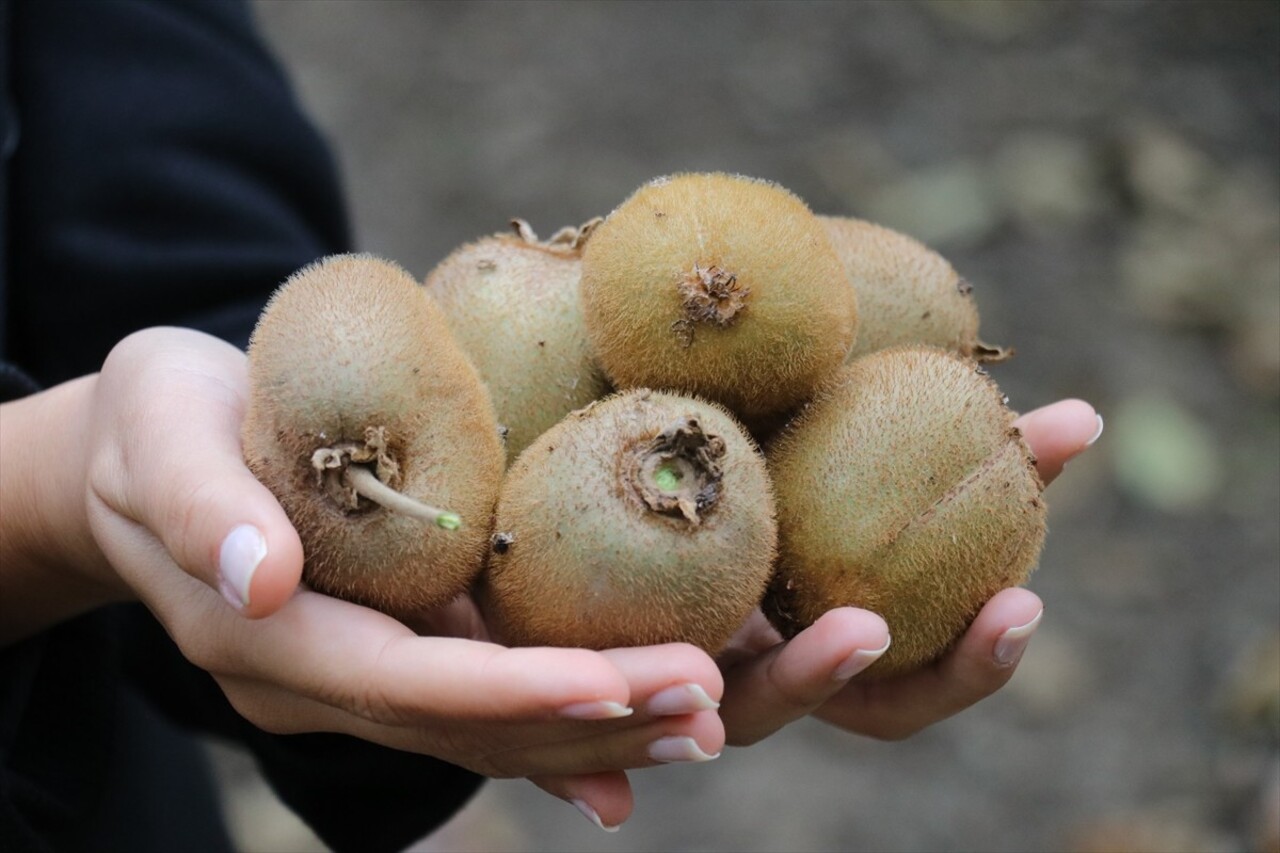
(907, 293)
(643, 518)
(905, 489)
(719, 286)
(512, 304)
(364, 415)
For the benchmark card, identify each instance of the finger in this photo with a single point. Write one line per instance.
(176, 400)
(755, 637)
(280, 712)
(675, 690)
(792, 679)
(1058, 432)
(493, 750)
(669, 680)
(459, 618)
(605, 798)
(979, 665)
(496, 750)
(371, 665)
(688, 738)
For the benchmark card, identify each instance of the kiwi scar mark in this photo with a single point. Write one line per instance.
(502, 542)
(708, 295)
(677, 472)
(343, 472)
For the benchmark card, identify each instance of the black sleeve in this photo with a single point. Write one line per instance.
(163, 175)
(160, 172)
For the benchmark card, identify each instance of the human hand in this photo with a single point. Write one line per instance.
(166, 485)
(769, 683)
(180, 519)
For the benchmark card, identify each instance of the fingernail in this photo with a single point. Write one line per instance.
(1012, 643)
(238, 559)
(858, 661)
(595, 711)
(1097, 433)
(590, 814)
(678, 748)
(680, 699)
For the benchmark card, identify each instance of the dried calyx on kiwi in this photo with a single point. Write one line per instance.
(643, 518)
(363, 417)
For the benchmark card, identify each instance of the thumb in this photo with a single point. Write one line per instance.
(172, 402)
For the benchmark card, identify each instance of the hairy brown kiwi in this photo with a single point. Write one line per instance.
(354, 377)
(903, 488)
(643, 518)
(512, 304)
(721, 286)
(907, 293)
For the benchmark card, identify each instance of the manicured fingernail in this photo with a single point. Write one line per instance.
(858, 661)
(680, 699)
(238, 559)
(590, 814)
(1012, 643)
(1097, 433)
(678, 748)
(595, 711)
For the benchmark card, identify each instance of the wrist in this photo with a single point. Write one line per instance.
(50, 566)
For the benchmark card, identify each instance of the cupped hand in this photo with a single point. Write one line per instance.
(770, 683)
(185, 525)
(167, 488)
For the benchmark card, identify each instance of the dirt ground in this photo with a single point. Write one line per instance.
(1106, 174)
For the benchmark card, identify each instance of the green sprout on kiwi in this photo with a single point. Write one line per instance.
(344, 472)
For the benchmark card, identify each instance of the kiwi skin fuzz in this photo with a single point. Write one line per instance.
(907, 293)
(587, 553)
(904, 489)
(512, 304)
(351, 353)
(718, 286)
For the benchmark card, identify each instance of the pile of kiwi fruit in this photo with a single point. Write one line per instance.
(641, 429)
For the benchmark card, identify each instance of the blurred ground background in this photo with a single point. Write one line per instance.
(1107, 174)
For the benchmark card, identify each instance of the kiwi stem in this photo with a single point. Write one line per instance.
(568, 239)
(366, 484)
(988, 354)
